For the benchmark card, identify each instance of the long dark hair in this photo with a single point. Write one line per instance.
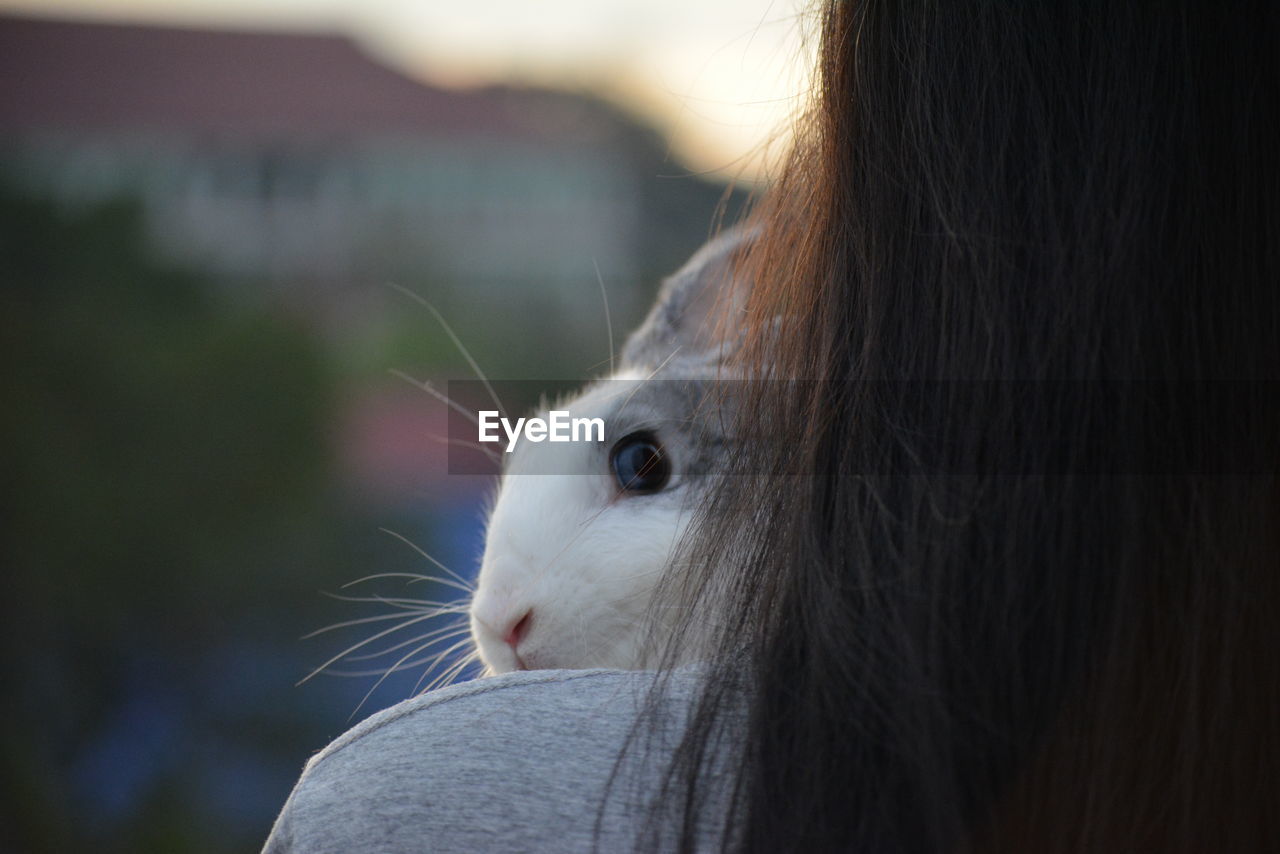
(1008, 605)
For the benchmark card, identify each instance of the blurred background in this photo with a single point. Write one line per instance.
(203, 204)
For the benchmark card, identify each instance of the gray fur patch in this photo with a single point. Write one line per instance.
(682, 321)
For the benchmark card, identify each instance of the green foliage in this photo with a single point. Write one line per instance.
(147, 425)
(161, 446)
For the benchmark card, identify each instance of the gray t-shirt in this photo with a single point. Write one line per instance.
(519, 762)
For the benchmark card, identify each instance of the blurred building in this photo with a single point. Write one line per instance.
(301, 161)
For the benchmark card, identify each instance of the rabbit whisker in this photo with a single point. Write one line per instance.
(463, 443)
(446, 633)
(398, 602)
(456, 341)
(438, 658)
(365, 621)
(608, 321)
(413, 576)
(423, 385)
(453, 672)
(407, 622)
(464, 584)
(393, 669)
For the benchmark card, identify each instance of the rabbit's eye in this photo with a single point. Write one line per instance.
(639, 463)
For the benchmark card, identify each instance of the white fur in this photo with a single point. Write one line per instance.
(577, 555)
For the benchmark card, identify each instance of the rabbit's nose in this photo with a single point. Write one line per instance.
(517, 630)
(501, 626)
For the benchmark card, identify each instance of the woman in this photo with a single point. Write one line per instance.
(1007, 581)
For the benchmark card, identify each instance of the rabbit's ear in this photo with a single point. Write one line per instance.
(693, 317)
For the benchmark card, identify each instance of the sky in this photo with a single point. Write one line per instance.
(721, 77)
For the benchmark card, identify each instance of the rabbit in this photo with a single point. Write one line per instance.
(580, 534)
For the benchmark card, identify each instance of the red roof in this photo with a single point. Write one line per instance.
(73, 75)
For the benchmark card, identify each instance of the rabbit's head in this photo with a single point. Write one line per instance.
(581, 532)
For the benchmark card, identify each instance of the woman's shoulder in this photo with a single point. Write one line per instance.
(515, 762)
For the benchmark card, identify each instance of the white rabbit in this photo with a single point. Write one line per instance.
(581, 532)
